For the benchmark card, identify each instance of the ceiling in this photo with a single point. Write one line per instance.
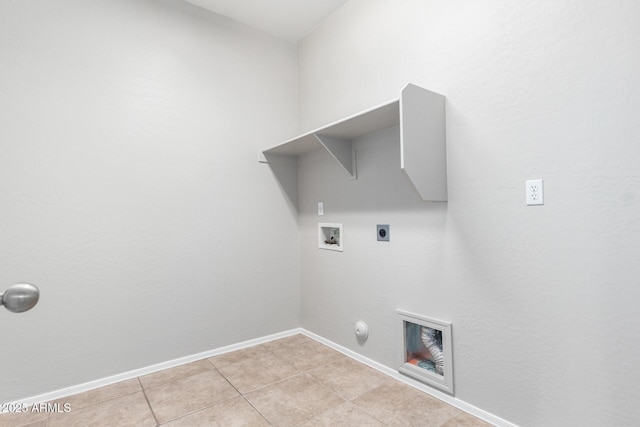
(287, 19)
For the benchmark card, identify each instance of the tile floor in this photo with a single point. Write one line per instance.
(294, 381)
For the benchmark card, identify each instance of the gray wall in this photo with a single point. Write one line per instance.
(129, 187)
(130, 193)
(543, 300)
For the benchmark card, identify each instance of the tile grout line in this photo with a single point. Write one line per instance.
(300, 372)
(452, 418)
(262, 386)
(144, 393)
(77, 389)
(244, 397)
(185, 376)
(256, 409)
(324, 386)
(199, 409)
(96, 403)
(346, 400)
(240, 395)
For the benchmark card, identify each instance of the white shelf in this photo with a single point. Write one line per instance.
(418, 112)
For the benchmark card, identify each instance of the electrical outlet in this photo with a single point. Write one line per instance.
(320, 208)
(383, 232)
(534, 192)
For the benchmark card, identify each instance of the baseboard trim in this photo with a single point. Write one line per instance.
(91, 385)
(460, 404)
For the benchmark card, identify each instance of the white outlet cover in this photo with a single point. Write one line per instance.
(534, 191)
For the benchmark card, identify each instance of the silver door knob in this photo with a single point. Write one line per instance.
(20, 297)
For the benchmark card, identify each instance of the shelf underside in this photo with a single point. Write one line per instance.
(365, 123)
(420, 115)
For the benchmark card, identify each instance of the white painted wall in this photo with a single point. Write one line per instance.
(129, 187)
(543, 300)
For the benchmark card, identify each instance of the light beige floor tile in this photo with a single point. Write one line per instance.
(256, 372)
(231, 413)
(465, 420)
(19, 419)
(99, 395)
(181, 397)
(294, 340)
(397, 404)
(293, 400)
(294, 381)
(172, 374)
(267, 346)
(308, 354)
(42, 423)
(349, 378)
(226, 359)
(131, 410)
(345, 415)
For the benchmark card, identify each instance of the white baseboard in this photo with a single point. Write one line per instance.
(460, 404)
(91, 385)
(81, 388)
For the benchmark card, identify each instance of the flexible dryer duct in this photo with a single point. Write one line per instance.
(434, 346)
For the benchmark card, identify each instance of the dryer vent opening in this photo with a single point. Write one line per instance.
(426, 350)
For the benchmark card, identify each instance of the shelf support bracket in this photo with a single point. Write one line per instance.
(341, 150)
